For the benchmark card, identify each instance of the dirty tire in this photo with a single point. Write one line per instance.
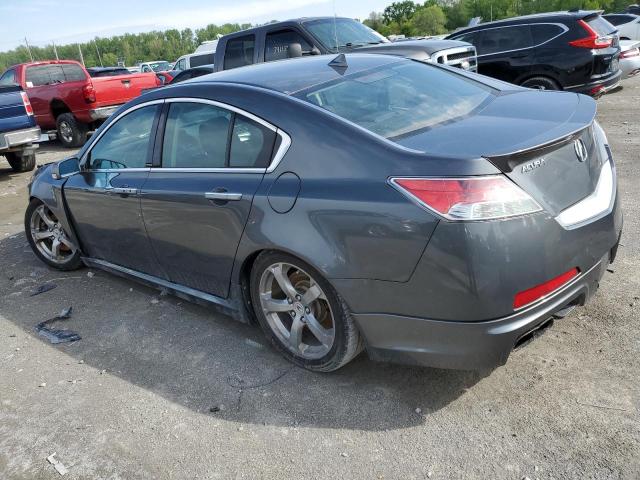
(347, 342)
(541, 83)
(73, 262)
(71, 133)
(21, 163)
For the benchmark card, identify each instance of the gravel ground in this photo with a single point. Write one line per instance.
(133, 398)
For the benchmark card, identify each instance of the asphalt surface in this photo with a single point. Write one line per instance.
(134, 398)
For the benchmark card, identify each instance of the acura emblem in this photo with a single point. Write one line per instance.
(581, 150)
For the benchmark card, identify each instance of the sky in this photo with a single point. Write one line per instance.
(69, 21)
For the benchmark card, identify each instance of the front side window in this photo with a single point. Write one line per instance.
(127, 143)
(181, 65)
(399, 99)
(343, 33)
(239, 52)
(8, 78)
(277, 45)
(505, 39)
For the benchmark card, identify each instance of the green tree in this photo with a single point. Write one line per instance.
(399, 12)
(429, 20)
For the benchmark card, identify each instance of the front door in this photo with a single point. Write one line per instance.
(104, 198)
(196, 203)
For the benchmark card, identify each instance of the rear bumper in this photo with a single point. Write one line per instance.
(103, 113)
(469, 345)
(602, 85)
(18, 139)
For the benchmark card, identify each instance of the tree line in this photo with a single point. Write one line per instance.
(433, 17)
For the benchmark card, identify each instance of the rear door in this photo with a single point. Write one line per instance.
(197, 198)
(506, 53)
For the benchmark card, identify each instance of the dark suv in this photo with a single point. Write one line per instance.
(576, 51)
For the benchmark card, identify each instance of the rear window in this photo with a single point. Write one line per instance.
(199, 60)
(8, 78)
(600, 25)
(239, 52)
(399, 99)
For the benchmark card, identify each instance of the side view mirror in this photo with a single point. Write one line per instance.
(315, 51)
(65, 168)
(294, 50)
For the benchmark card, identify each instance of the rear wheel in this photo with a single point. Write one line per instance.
(302, 315)
(21, 162)
(541, 83)
(48, 239)
(71, 132)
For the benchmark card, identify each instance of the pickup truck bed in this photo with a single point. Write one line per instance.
(18, 129)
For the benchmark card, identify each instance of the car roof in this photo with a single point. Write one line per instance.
(560, 15)
(290, 76)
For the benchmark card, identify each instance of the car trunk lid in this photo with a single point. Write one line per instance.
(545, 145)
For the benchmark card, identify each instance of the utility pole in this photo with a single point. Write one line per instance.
(81, 57)
(28, 48)
(55, 50)
(98, 52)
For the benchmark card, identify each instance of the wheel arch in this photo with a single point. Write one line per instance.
(58, 107)
(546, 75)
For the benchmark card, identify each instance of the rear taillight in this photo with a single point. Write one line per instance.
(27, 103)
(470, 198)
(592, 40)
(89, 93)
(634, 52)
(526, 297)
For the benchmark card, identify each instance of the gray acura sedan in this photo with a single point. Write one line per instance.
(428, 215)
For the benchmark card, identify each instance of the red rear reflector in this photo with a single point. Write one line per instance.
(27, 103)
(592, 40)
(529, 296)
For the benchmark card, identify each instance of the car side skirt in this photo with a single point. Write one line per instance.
(230, 307)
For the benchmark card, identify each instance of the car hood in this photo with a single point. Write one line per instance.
(513, 121)
(412, 48)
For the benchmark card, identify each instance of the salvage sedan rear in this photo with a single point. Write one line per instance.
(425, 214)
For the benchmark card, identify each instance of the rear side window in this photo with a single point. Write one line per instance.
(277, 44)
(199, 60)
(45, 75)
(251, 144)
(181, 65)
(600, 25)
(543, 32)
(73, 73)
(198, 135)
(8, 78)
(505, 39)
(126, 144)
(239, 52)
(399, 99)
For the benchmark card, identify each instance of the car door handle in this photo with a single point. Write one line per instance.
(122, 191)
(224, 196)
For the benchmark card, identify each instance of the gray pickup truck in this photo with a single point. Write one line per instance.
(18, 129)
(326, 35)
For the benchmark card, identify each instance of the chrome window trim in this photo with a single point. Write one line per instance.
(285, 140)
(85, 156)
(565, 29)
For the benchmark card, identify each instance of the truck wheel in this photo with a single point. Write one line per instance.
(71, 133)
(21, 163)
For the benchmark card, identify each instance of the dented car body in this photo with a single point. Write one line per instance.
(429, 215)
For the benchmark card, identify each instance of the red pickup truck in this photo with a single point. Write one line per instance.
(65, 98)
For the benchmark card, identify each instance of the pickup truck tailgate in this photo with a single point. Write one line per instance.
(122, 88)
(13, 115)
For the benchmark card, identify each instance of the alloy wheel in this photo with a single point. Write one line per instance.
(297, 310)
(49, 237)
(66, 132)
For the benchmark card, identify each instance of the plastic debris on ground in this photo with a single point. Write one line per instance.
(45, 287)
(57, 464)
(55, 335)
